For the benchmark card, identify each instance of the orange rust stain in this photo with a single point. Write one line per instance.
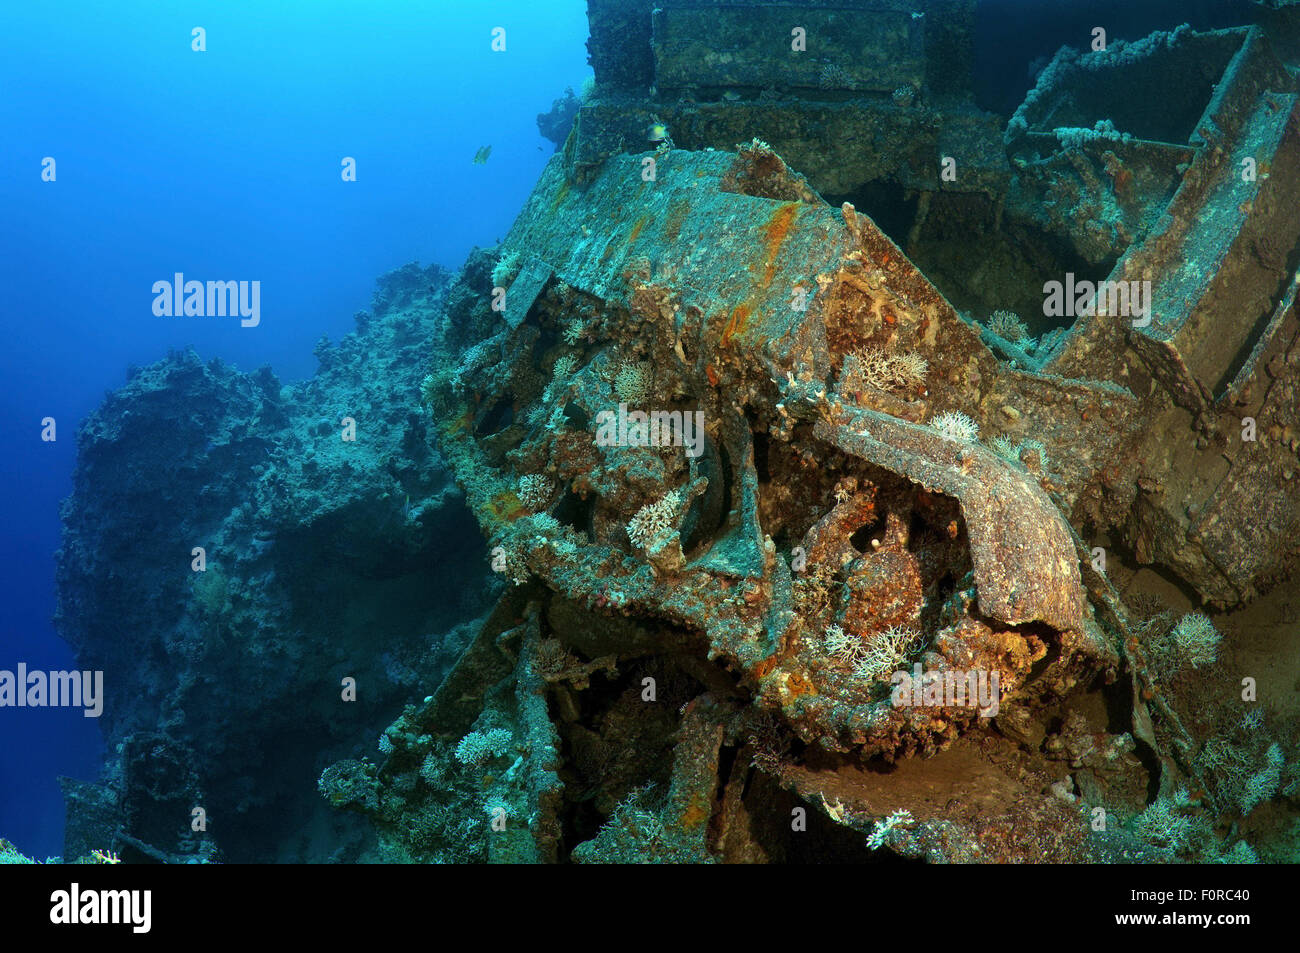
(736, 324)
(504, 507)
(777, 229)
(464, 423)
(561, 194)
(696, 814)
(796, 686)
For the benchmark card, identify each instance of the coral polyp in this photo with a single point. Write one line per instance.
(954, 425)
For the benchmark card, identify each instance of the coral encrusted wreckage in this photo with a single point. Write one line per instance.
(700, 663)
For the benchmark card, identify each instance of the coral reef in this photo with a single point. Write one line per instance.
(318, 551)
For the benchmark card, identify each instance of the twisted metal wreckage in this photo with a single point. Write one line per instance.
(724, 624)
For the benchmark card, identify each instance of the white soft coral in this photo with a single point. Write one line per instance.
(955, 425)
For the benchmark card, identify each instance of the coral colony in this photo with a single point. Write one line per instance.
(745, 480)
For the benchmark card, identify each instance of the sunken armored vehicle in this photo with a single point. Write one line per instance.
(861, 464)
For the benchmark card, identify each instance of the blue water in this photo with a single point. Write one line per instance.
(222, 164)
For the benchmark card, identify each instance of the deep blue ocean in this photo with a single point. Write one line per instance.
(222, 163)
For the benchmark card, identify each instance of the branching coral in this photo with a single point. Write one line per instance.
(574, 329)
(506, 269)
(885, 651)
(834, 76)
(1241, 853)
(1242, 766)
(535, 491)
(1263, 784)
(476, 359)
(1197, 639)
(433, 769)
(633, 382)
(1165, 823)
(875, 656)
(1178, 825)
(1029, 453)
(478, 747)
(652, 520)
(909, 368)
(1007, 324)
(841, 645)
(9, 854)
(876, 368)
(883, 832)
(563, 368)
(1005, 448)
(869, 366)
(552, 659)
(955, 425)
(1033, 454)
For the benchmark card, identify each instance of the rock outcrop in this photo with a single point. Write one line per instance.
(332, 547)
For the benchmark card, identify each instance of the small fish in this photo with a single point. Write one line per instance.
(657, 133)
(481, 156)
